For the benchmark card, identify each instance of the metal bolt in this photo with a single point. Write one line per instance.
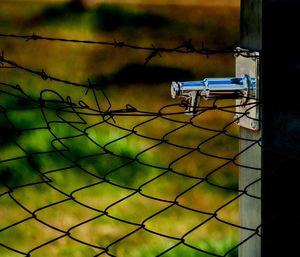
(237, 118)
(254, 124)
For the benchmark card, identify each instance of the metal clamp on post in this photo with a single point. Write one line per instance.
(243, 88)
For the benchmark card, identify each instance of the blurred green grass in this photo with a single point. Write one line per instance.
(142, 25)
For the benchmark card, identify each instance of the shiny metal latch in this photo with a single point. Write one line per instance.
(243, 87)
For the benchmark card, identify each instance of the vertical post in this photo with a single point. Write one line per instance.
(281, 128)
(250, 159)
(270, 25)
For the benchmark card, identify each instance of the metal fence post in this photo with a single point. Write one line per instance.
(271, 25)
(250, 159)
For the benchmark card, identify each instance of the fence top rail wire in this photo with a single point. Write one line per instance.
(183, 48)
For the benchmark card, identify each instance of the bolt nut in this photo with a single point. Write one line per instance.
(254, 124)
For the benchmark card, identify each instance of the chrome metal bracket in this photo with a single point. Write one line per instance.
(247, 110)
(243, 88)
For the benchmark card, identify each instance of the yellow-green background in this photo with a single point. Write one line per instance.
(214, 25)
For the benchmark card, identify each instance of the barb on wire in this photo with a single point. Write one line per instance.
(183, 48)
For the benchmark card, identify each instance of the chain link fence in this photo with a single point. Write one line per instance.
(81, 177)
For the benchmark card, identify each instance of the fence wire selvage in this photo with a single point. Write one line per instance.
(108, 115)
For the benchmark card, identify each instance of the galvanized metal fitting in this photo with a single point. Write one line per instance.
(243, 88)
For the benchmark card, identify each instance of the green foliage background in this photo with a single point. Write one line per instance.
(121, 73)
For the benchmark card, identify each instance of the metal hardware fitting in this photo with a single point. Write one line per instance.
(243, 88)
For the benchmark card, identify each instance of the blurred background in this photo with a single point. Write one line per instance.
(212, 24)
(122, 74)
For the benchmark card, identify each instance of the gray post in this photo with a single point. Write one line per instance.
(250, 173)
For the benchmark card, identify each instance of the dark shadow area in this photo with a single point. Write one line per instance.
(110, 18)
(144, 74)
(64, 10)
(59, 13)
